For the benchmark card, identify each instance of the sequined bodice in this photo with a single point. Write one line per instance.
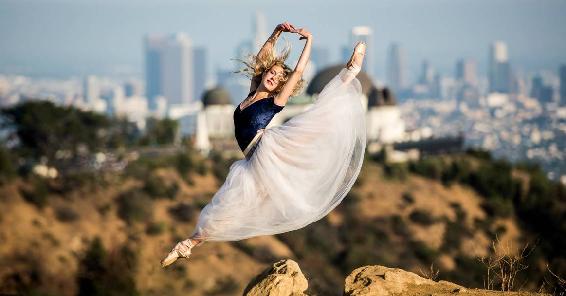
(252, 118)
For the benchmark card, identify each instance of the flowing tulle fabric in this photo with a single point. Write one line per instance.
(298, 173)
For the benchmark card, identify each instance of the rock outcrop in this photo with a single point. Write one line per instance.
(380, 280)
(283, 278)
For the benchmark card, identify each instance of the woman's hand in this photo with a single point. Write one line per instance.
(285, 27)
(304, 33)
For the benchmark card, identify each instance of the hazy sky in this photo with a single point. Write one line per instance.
(66, 37)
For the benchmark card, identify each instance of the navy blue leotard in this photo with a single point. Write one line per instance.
(253, 118)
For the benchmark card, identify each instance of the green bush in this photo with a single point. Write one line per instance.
(493, 180)
(139, 169)
(224, 286)
(397, 171)
(421, 217)
(460, 213)
(474, 274)
(399, 226)
(429, 167)
(38, 193)
(498, 207)
(155, 187)
(107, 273)
(201, 168)
(423, 252)
(88, 181)
(379, 157)
(155, 228)
(479, 153)
(182, 212)
(66, 214)
(408, 197)
(7, 170)
(184, 164)
(458, 171)
(135, 206)
(453, 235)
(160, 132)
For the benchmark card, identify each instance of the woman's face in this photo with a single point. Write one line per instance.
(272, 77)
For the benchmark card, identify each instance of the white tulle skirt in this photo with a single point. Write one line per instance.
(298, 172)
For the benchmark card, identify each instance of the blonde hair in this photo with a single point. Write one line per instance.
(256, 65)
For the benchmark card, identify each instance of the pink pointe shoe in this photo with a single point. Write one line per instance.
(181, 250)
(357, 59)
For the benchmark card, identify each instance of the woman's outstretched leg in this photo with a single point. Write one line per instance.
(182, 250)
(354, 65)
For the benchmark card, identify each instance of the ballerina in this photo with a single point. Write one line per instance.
(293, 174)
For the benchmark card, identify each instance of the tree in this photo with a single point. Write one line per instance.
(43, 128)
(160, 132)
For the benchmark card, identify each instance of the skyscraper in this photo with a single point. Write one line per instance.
(396, 67)
(132, 88)
(200, 72)
(427, 73)
(154, 45)
(562, 74)
(91, 89)
(499, 68)
(541, 91)
(466, 71)
(363, 33)
(259, 31)
(171, 64)
(178, 70)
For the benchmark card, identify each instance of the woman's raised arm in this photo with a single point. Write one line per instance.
(287, 90)
(268, 47)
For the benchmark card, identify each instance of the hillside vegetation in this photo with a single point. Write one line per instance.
(459, 217)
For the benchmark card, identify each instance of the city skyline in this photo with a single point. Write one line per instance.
(65, 40)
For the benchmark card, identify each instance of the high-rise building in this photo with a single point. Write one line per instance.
(91, 89)
(500, 76)
(427, 73)
(542, 92)
(466, 71)
(133, 88)
(396, 67)
(363, 33)
(174, 69)
(562, 74)
(259, 31)
(178, 70)
(154, 45)
(200, 71)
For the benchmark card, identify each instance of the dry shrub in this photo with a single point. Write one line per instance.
(503, 265)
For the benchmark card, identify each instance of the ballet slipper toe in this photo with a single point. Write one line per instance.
(356, 60)
(171, 257)
(181, 250)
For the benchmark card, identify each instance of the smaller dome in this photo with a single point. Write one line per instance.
(322, 78)
(216, 96)
(389, 97)
(380, 97)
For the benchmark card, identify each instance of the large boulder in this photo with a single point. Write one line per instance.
(283, 278)
(379, 280)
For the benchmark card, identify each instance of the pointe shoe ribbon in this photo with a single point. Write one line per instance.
(181, 250)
